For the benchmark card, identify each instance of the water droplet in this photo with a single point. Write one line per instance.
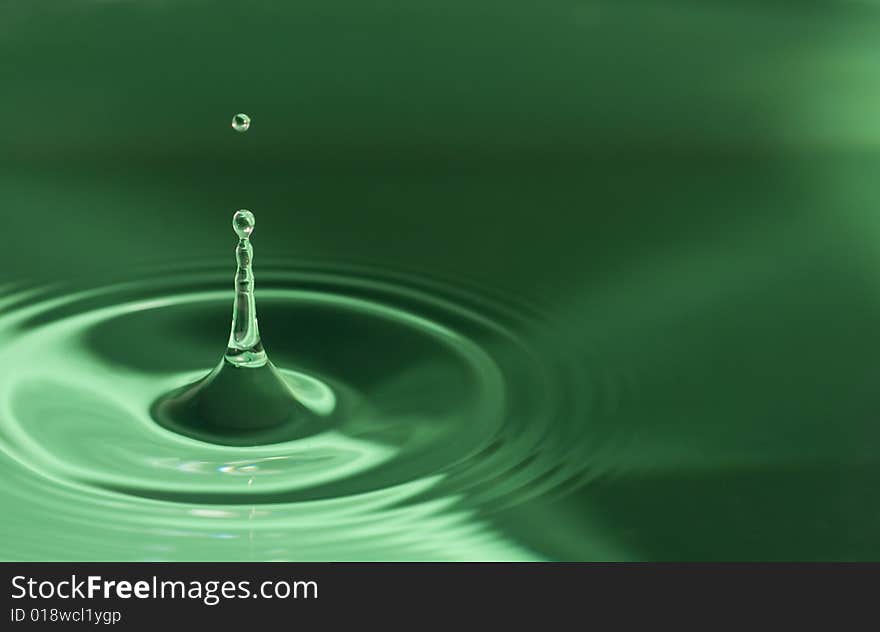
(245, 347)
(243, 222)
(241, 122)
(245, 400)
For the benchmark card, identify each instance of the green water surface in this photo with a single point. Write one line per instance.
(594, 280)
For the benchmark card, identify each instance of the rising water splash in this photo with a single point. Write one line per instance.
(245, 349)
(245, 400)
(426, 410)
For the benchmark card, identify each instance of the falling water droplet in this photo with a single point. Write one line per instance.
(241, 122)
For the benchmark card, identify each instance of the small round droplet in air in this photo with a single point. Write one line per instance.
(241, 122)
(243, 222)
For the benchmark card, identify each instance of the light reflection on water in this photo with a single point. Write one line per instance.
(458, 415)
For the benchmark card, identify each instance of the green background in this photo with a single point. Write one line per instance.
(689, 190)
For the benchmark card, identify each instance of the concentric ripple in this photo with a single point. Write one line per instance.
(442, 411)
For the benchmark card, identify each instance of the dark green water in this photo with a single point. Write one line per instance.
(592, 280)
